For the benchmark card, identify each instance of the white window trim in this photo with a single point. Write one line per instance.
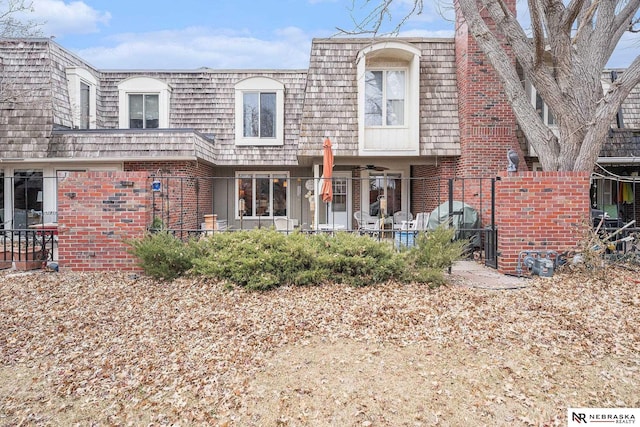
(366, 177)
(75, 76)
(271, 175)
(412, 55)
(144, 86)
(384, 97)
(259, 84)
(532, 92)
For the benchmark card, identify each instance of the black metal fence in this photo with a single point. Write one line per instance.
(28, 249)
(384, 207)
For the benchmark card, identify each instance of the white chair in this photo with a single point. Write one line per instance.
(366, 222)
(421, 222)
(401, 218)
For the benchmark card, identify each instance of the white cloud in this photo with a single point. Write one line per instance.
(197, 47)
(61, 18)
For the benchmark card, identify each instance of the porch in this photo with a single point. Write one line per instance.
(384, 207)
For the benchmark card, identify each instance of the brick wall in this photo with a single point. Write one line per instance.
(539, 211)
(186, 194)
(96, 211)
(487, 123)
(430, 187)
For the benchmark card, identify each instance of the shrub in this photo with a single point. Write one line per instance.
(435, 251)
(256, 259)
(360, 260)
(265, 258)
(163, 256)
(261, 259)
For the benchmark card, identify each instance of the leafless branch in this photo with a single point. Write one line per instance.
(375, 19)
(11, 22)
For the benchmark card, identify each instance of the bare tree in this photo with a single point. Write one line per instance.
(563, 57)
(13, 22)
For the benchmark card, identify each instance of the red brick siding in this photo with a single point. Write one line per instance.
(431, 189)
(96, 211)
(539, 211)
(487, 123)
(186, 195)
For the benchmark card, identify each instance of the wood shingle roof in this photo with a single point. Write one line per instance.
(331, 99)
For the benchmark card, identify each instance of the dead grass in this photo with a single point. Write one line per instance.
(107, 349)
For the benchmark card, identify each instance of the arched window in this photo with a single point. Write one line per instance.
(143, 103)
(388, 98)
(259, 112)
(82, 97)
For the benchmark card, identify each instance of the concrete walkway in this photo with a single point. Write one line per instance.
(476, 275)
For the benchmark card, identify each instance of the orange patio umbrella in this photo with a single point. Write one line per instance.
(327, 170)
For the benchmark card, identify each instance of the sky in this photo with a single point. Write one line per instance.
(228, 34)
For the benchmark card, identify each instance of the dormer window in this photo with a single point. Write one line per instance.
(385, 97)
(143, 111)
(143, 103)
(259, 112)
(82, 97)
(388, 99)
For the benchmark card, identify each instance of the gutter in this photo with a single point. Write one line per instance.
(619, 160)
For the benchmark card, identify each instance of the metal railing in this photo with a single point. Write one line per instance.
(28, 249)
(191, 206)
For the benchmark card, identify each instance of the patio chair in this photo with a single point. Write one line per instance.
(400, 217)
(366, 222)
(421, 222)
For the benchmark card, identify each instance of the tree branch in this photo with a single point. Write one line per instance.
(536, 131)
(571, 14)
(375, 19)
(538, 32)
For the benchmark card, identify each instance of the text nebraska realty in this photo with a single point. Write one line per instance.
(604, 418)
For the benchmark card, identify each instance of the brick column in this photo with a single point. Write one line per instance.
(96, 211)
(540, 211)
(487, 123)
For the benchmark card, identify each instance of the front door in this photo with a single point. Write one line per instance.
(338, 210)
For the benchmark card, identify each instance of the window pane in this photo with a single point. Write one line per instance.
(339, 195)
(395, 112)
(27, 191)
(245, 192)
(267, 115)
(376, 190)
(135, 112)
(395, 84)
(151, 111)
(395, 98)
(251, 114)
(394, 193)
(550, 119)
(280, 195)
(84, 105)
(373, 98)
(263, 199)
(540, 106)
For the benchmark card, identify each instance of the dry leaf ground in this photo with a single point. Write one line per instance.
(108, 349)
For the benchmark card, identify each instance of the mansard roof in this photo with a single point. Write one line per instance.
(331, 98)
